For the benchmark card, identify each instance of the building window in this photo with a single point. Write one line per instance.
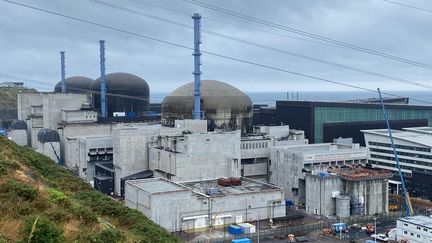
(418, 236)
(419, 228)
(424, 229)
(405, 224)
(412, 234)
(405, 232)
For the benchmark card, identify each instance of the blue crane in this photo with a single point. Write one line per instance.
(408, 208)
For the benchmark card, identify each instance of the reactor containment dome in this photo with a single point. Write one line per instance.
(125, 93)
(222, 105)
(76, 85)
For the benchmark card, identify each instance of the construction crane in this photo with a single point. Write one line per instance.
(408, 208)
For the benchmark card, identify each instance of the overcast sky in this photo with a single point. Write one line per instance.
(30, 42)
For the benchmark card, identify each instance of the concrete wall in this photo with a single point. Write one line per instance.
(185, 210)
(319, 191)
(50, 149)
(373, 193)
(24, 103)
(288, 163)
(54, 103)
(130, 147)
(197, 156)
(19, 137)
(86, 168)
(191, 125)
(69, 134)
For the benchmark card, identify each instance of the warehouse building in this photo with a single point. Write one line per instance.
(324, 121)
(290, 164)
(347, 190)
(205, 203)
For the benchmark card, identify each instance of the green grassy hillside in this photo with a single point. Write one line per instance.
(41, 202)
(8, 96)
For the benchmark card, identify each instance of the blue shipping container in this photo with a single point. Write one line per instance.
(244, 240)
(234, 230)
(288, 202)
(339, 226)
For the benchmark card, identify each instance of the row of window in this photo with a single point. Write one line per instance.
(414, 148)
(422, 156)
(408, 161)
(402, 167)
(254, 145)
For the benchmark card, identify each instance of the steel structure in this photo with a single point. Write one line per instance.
(63, 72)
(197, 63)
(102, 77)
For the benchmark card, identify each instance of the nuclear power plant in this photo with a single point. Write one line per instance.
(199, 163)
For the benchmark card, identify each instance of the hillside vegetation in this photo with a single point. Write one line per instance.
(8, 96)
(41, 202)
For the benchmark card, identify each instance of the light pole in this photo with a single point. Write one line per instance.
(258, 225)
(375, 229)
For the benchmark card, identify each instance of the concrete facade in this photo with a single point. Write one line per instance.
(196, 156)
(186, 206)
(365, 188)
(131, 149)
(289, 164)
(69, 134)
(321, 194)
(19, 137)
(92, 149)
(50, 149)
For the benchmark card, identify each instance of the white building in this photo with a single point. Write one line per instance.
(199, 204)
(413, 146)
(289, 164)
(414, 229)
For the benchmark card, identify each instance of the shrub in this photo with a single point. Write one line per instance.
(84, 214)
(108, 234)
(16, 188)
(41, 230)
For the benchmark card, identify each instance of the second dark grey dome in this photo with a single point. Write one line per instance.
(18, 125)
(222, 104)
(125, 93)
(46, 135)
(75, 84)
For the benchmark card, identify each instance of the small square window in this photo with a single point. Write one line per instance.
(405, 232)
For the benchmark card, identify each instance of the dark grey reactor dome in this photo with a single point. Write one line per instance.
(18, 125)
(46, 135)
(223, 106)
(125, 93)
(75, 84)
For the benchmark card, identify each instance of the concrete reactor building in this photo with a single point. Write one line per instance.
(127, 94)
(75, 84)
(222, 105)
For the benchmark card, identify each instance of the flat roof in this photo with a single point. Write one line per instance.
(420, 220)
(360, 173)
(310, 104)
(157, 185)
(247, 186)
(406, 135)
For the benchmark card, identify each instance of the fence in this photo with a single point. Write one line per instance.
(281, 232)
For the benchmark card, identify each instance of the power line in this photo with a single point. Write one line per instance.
(207, 52)
(408, 6)
(236, 24)
(309, 34)
(298, 55)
